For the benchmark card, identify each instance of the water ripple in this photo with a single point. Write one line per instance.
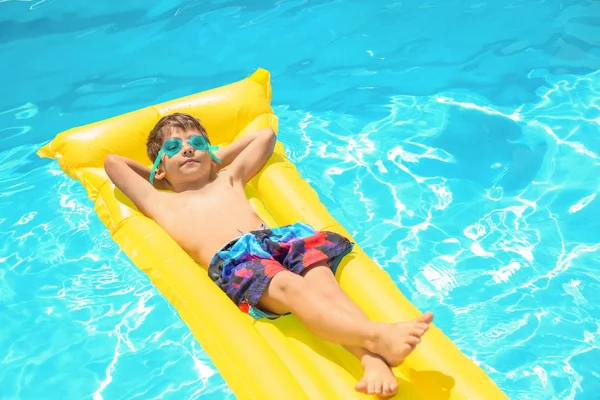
(77, 297)
(497, 262)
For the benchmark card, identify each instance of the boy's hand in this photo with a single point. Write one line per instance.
(132, 179)
(247, 155)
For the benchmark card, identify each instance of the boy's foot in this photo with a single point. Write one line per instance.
(394, 342)
(378, 379)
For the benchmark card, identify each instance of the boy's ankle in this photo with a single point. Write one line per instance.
(372, 335)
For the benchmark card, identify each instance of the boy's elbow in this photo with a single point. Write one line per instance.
(270, 136)
(111, 161)
(265, 133)
(114, 158)
(269, 132)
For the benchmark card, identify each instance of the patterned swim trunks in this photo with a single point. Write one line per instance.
(244, 267)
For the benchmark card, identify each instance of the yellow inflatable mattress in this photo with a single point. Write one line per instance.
(276, 359)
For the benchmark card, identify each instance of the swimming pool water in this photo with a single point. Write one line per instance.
(458, 141)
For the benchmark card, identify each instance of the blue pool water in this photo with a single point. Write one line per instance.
(458, 141)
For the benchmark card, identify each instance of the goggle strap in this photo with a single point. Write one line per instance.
(155, 166)
(212, 155)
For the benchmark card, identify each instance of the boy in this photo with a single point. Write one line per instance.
(266, 272)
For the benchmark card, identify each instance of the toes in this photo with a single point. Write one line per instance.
(426, 318)
(361, 386)
(417, 332)
(371, 387)
(413, 340)
(385, 390)
(392, 388)
(376, 388)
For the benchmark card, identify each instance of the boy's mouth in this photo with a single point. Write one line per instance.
(189, 160)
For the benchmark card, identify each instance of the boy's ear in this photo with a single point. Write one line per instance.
(160, 173)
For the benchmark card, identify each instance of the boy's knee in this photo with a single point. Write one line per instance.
(289, 284)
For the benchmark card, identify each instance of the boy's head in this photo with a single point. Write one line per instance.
(167, 125)
(180, 149)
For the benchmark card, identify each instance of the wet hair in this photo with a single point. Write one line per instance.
(168, 124)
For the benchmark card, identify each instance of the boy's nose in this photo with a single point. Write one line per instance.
(188, 150)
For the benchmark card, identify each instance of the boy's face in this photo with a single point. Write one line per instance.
(188, 165)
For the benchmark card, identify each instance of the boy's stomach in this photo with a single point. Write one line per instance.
(203, 237)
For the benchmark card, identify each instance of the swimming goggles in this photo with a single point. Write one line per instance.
(173, 146)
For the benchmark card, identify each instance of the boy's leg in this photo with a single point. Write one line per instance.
(322, 315)
(378, 378)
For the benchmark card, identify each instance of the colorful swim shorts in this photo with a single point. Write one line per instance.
(244, 267)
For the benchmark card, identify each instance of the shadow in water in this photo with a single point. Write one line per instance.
(489, 150)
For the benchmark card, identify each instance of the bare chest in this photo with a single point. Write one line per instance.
(202, 222)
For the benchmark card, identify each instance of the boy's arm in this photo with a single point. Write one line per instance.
(131, 178)
(247, 155)
(140, 169)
